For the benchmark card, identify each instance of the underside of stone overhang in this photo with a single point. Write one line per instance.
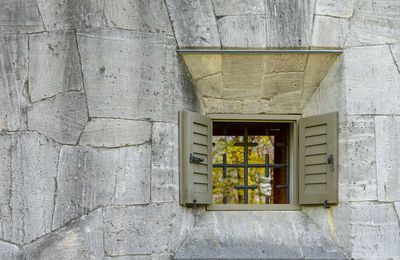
(257, 81)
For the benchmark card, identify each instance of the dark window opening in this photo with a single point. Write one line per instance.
(250, 163)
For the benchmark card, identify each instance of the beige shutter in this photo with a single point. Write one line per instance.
(318, 159)
(195, 159)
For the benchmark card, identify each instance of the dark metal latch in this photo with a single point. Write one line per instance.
(330, 162)
(194, 159)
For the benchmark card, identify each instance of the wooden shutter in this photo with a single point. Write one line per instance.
(195, 158)
(318, 159)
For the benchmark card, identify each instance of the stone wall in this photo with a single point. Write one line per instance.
(90, 92)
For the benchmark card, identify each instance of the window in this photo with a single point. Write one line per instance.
(236, 162)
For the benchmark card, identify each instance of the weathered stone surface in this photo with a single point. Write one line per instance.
(124, 74)
(285, 63)
(161, 228)
(20, 16)
(211, 86)
(53, 64)
(279, 83)
(243, 71)
(178, 91)
(238, 7)
(289, 23)
(101, 132)
(357, 180)
(164, 163)
(242, 94)
(330, 94)
(289, 102)
(242, 31)
(89, 178)
(337, 28)
(61, 117)
(372, 81)
(317, 67)
(397, 208)
(13, 81)
(387, 163)
(140, 15)
(81, 239)
(234, 235)
(66, 14)
(141, 257)
(27, 182)
(201, 66)
(375, 230)
(339, 8)
(9, 251)
(194, 23)
(374, 22)
(395, 49)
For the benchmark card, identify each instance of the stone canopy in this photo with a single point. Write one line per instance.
(259, 81)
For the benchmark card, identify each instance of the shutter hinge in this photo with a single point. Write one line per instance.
(194, 159)
(326, 204)
(331, 163)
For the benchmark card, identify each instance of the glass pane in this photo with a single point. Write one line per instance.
(263, 192)
(224, 187)
(265, 145)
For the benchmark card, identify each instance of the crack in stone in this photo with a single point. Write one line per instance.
(394, 59)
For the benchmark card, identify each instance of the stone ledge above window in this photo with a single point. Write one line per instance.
(257, 81)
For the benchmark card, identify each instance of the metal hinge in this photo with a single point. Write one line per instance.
(331, 162)
(194, 159)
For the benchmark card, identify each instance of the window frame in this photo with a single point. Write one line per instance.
(293, 120)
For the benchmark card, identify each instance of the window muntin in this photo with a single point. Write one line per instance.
(251, 163)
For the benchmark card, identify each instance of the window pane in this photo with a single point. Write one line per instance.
(257, 177)
(265, 145)
(224, 187)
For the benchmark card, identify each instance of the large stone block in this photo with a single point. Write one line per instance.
(244, 235)
(395, 49)
(201, 66)
(375, 231)
(140, 15)
(89, 178)
(67, 14)
(374, 22)
(280, 83)
(329, 32)
(13, 81)
(242, 31)
(194, 23)
(243, 71)
(372, 80)
(28, 167)
(357, 178)
(124, 75)
(285, 63)
(61, 117)
(387, 130)
(164, 163)
(101, 132)
(82, 239)
(211, 86)
(289, 23)
(178, 91)
(20, 16)
(152, 229)
(10, 251)
(54, 65)
(339, 8)
(238, 7)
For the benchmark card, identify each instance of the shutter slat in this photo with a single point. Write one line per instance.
(316, 149)
(318, 139)
(316, 130)
(195, 133)
(315, 140)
